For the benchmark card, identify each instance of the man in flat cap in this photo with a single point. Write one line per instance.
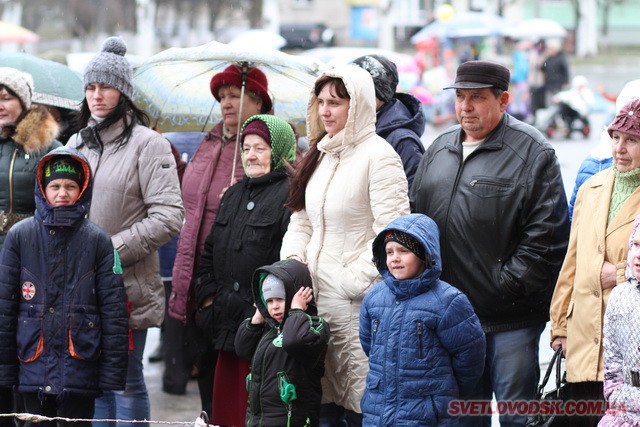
(493, 186)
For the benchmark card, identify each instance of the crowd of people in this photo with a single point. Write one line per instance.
(365, 281)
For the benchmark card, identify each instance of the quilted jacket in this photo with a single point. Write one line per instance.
(62, 296)
(425, 344)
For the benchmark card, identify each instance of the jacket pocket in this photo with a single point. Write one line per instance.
(372, 382)
(260, 228)
(490, 186)
(30, 338)
(84, 336)
(570, 309)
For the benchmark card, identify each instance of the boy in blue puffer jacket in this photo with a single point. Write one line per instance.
(64, 333)
(425, 343)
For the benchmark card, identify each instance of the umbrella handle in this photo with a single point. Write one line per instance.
(245, 71)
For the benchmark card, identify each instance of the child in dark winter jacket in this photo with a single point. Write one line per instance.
(425, 343)
(286, 342)
(64, 334)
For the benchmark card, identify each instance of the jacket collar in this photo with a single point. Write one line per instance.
(493, 141)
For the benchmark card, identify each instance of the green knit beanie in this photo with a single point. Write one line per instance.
(624, 184)
(280, 137)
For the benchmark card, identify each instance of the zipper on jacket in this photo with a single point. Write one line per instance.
(419, 339)
(376, 323)
(11, 166)
(490, 182)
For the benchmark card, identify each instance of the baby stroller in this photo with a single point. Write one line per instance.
(570, 109)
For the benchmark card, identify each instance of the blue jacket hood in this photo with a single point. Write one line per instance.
(63, 216)
(425, 230)
(403, 111)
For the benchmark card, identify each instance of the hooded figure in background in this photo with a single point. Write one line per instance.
(287, 351)
(400, 119)
(424, 342)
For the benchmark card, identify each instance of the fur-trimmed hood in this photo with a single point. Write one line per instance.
(36, 130)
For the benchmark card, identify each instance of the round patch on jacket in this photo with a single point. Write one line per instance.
(28, 290)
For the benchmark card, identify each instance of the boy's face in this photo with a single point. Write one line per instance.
(275, 307)
(402, 263)
(634, 254)
(62, 192)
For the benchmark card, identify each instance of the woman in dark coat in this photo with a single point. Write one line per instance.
(247, 234)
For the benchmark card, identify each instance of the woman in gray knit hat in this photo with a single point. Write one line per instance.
(27, 132)
(136, 199)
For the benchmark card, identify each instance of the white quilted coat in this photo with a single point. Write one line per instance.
(359, 186)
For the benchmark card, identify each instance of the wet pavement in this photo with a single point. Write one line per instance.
(168, 407)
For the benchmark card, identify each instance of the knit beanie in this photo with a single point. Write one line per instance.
(384, 73)
(63, 167)
(19, 82)
(255, 81)
(273, 287)
(406, 240)
(627, 120)
(110, 67)
(276, 132)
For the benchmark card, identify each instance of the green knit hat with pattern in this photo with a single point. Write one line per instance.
(624, 184)
(277, 133)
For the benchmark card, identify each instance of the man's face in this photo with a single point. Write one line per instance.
(478, 111)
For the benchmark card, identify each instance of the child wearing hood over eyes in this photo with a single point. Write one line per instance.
(286, 341)
(425, 345)
(622, 344)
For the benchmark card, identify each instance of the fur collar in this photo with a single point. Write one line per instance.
(36, 130)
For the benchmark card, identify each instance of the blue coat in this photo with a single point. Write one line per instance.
(64, 328)
(425, 344)
(401, 123)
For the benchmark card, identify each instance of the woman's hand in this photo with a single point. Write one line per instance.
(608, 275)
(302, 298)
(560, 341)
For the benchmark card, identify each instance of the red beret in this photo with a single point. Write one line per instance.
(256, 82)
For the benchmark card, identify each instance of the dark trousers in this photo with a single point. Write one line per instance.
(591, 390)
(6, 407)
(332, 415)
(76, 406)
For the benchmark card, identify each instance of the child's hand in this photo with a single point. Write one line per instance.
(257, 318)
(302, 298)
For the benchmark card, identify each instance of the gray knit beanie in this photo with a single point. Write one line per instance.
(110, 67)
(384, 73)
(19, 82)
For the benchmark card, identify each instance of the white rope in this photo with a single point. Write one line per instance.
(40, 418)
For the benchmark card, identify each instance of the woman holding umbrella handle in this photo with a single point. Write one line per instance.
(242, 92)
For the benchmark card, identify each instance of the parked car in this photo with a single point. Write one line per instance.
(306, 36)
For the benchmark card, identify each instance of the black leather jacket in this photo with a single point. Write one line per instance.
(502, 215)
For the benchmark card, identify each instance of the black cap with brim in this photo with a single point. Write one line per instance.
(480, 75)
(468, 85)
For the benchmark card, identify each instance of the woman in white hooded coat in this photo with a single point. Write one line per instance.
(348, 187)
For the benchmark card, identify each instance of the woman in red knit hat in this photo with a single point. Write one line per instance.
(207, 175)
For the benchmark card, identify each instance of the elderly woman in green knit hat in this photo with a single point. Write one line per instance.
(606, 206)
(247, 234)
